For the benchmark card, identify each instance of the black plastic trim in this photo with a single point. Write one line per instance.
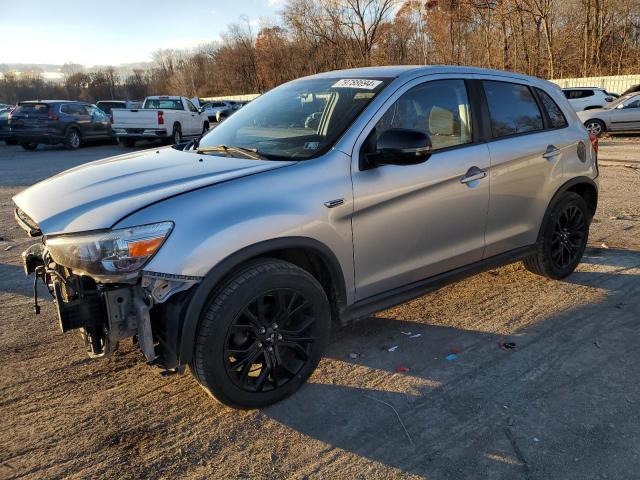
(408, 292)
(203, 291)
(566, 186)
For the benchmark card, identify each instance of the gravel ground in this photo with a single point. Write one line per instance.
(563, 404)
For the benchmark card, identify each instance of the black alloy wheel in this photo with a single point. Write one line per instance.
(568, 236)
(563, 237)
(270, 341)
(262, 333)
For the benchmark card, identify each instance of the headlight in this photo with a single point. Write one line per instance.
(109, 252)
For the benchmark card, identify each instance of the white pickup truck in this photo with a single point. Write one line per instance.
(170, 118)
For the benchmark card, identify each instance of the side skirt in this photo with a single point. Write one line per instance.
(391, 298)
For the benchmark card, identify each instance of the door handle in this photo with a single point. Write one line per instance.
(552, 151)
(473, 174)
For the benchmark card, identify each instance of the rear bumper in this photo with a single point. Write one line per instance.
(140, 133)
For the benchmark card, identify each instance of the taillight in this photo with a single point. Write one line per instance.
(594, 142)
(160, 117)
(51, 115)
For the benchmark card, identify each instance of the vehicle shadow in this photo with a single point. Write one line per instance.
(486, 412)
(13, 280)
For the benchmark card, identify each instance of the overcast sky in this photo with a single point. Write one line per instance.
(111, 32)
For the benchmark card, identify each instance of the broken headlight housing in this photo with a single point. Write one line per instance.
(109, 252)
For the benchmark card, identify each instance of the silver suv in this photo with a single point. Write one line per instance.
(325, 200)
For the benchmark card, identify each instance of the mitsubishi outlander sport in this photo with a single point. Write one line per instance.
(324, 200)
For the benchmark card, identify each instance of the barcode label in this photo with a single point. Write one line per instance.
(356, 83)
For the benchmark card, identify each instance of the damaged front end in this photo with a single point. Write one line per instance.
(99, 288)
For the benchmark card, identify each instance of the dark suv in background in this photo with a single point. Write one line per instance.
(58, 121)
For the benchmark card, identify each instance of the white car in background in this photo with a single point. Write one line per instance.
(622, 115)
(169, 118)
(218, 110)
(587, 98)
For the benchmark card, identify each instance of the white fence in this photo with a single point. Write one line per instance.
(614, 84)
(235, 98)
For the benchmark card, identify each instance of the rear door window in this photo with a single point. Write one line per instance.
(556, 117)
(512, 109)
(73, 109)
(576, 94)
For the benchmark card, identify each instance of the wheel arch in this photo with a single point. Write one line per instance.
(73, 126)
(583, 186)
(306, 253)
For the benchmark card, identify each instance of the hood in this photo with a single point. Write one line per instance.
(96, 195)
(593, 113)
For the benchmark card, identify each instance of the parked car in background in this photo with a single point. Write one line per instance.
(5, 133)
(587, 98)
(58, 121)
(107, 105)
(234, 256)
(164, 117)
(622, 115)
(218, 110)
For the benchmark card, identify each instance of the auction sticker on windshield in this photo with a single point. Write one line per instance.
(356, 83)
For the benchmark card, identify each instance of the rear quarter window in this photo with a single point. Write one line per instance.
(555, 115)
(512, 109)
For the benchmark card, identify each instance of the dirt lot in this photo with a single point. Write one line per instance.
(562, 405)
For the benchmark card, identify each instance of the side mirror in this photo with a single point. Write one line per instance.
(401, 146)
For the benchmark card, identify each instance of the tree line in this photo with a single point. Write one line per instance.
(545, 38)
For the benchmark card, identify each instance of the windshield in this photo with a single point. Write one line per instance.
(298, 120)
(620, 100)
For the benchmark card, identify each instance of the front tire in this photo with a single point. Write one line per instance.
(262, 334)
(563, 238)
(596, 127)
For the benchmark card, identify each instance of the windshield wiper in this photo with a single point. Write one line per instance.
(247, 152)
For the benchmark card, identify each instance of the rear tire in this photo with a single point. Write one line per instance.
(563, 238)
(72, 139)
(29, 145)
(176, 135)
(595, 126)
(262, 334)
